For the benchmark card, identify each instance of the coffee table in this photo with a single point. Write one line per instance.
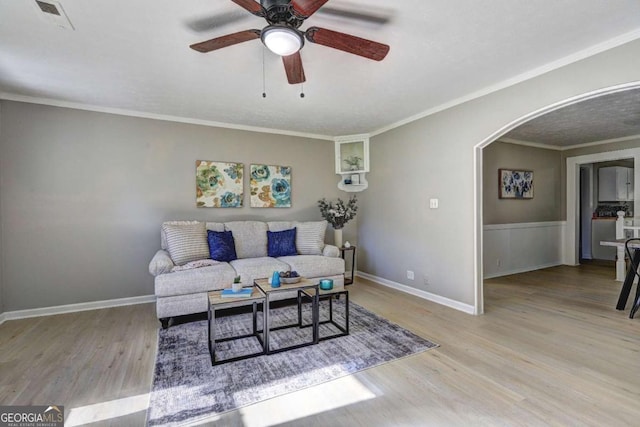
(300, 287)
(217, 302)
(329, 295)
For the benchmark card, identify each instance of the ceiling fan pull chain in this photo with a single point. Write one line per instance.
(301, 90)
(264, 90)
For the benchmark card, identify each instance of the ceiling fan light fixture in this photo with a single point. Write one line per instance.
(283, 41)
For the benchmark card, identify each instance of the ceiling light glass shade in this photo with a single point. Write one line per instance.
(282, 41)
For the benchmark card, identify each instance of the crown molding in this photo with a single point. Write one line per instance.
(530, 144)
(603, 142)
(570, 147)
(580, 55)
(167, 118)
(567, 60)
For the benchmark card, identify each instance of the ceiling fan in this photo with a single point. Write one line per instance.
(283, 37)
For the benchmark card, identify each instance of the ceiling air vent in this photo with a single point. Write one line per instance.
(52, 11)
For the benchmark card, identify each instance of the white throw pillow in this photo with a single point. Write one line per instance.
(310, 237)
(186, 242)
(163, 237)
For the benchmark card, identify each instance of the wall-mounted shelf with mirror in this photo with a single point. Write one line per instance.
(352, 162)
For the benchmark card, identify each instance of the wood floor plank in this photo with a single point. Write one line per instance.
(550, 350)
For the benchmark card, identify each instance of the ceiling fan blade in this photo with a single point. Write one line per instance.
(250, 5)
(306, 8)
(377, 18)
(224, 41)
(293, 67)
(217, 21)
(347, 43)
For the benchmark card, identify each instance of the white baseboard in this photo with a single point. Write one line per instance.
(70, 308)
(522, 270)
(467, 308)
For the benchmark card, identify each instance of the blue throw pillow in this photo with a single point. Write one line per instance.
(281, 243)
(222, 247)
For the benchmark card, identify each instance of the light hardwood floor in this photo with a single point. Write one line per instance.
(550, 350)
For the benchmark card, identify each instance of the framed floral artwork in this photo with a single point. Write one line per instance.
(270, 186)
(219, 184)
(515, 184)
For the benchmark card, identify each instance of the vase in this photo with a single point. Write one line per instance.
(337, 237)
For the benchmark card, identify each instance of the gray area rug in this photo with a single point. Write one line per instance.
(187, 388)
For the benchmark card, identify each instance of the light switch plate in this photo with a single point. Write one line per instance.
(433, 203)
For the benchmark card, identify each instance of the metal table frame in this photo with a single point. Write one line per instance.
(329, 295)
(267, 290)
(232, 303)
(343, 251)
(632, 272)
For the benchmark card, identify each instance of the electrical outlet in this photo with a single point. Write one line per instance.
(498, 262)
(410, 275)
(426, 280)
(433, 203)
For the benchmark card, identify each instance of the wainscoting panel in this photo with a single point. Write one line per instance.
(516, 248)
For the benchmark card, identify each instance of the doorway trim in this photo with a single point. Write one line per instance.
(570, 254)
(478, 193)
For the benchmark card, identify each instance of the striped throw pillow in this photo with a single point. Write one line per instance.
(186, 242)
(310, 237)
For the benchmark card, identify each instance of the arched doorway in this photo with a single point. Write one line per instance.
(478, 190)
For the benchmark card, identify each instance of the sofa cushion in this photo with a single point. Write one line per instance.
(186, 242)
(314, 265)
(215, 226)
(280, 225)
(219, 276)
(250, 238)
(310, 237)
(250, 269)
(281, 243)
(221, 245)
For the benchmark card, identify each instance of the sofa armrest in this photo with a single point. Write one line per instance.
(331, 251)
(161, 263)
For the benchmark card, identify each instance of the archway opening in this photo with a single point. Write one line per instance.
(567, 236)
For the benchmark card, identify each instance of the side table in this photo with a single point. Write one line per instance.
(349, 280)
(217, 302)
(329, 295)
(267, 291)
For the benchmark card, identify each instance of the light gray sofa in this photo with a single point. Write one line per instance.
(182, 290)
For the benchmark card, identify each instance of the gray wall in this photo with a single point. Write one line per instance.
(84, 194)
(546, 166)
(434, 158)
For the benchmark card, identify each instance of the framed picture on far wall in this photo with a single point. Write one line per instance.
(219, 184)
(270, 186)
(515, 184)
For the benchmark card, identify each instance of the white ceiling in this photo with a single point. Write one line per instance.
(134, 55)
(606, 117)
